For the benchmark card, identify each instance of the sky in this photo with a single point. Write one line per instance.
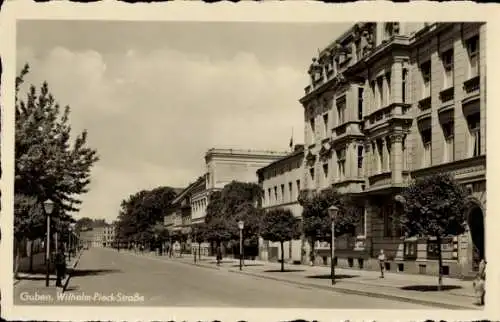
(155, 96)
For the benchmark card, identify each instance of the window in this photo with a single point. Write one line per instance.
(404, 147)
(380, 90)
(360, 103)
(276, 194)
(325, 123)
(448, 133)
(473, 52)
(311, 173)
(404, 84)
(427, 143)
(341, 164)
(387, 88)
(325, 173)
(341, 106)
(388, 220)
(290, 192)
(380, 150)
(282, 193)
(374, 94)
(425, 69)
(475, 134)
(362, 222)
(388, 145)
(313, 130)
(360, 160)
(297, 183)
(447, 59)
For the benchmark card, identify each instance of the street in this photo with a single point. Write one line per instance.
(107, 277)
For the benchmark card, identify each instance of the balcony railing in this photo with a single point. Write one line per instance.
(471, 85)
(446, 95)
(425, 103)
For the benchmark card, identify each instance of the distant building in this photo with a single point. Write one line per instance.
(281, 182)
(223, 166)
(98, 237)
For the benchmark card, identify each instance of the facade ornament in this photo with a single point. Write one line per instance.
(397, 137)
(315, 70)
(310, 158)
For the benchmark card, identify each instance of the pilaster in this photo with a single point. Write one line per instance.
(397, 158)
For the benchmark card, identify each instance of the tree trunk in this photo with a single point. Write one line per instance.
(440, 264)
(18, 255)
(199, 251)
(282, 257)
(31, 256)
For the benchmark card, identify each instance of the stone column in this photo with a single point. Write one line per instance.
(397, 80)
(397, 158)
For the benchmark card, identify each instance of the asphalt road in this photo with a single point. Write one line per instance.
(108, 277)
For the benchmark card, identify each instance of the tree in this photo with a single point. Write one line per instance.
(316, 224)
(280, 225)
(140, 212)
(83, 224)
(433, 206)
(48, 164)
(237, 201)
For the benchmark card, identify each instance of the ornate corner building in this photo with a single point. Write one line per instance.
(390, 102)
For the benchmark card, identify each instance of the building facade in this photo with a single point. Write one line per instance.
(222, 167)
(391, 102)
(281, 182)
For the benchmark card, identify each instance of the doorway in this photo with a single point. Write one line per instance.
(475, 221)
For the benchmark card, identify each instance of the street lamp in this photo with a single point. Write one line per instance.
(333, 215)
(241, 224)
(48, 208)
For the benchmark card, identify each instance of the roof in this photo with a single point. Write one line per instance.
(299, 149)
(189, 188)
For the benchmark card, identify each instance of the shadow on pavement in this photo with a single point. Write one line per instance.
(222, 262)
(328, 276)
(35, 278)
(285, 271)
(90, 272)
(429, 288)
(248, 265)
(72, 288)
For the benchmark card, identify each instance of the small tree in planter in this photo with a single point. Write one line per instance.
(433, 206)
(280, 225)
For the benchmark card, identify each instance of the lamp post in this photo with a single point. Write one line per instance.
(241, 224)
(48, 207)
(333, 214)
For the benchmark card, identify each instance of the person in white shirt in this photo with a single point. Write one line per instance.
(381, 262)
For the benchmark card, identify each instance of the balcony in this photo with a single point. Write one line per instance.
(471, 85)
(471, 90)
(393, 113)
(447, 95)
(425, 103)
(351, 129)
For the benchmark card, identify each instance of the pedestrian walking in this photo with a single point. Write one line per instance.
(381, 262)
(479, 283)
(219, 255)
(60, 262)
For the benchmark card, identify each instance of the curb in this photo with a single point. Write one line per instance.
(359, 292)
(217, 268)
(66, 281)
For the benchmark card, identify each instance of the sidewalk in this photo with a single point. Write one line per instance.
(456, 294)
(39, 273)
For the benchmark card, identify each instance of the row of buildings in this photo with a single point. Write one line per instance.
(98, 236)
(387, 103)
